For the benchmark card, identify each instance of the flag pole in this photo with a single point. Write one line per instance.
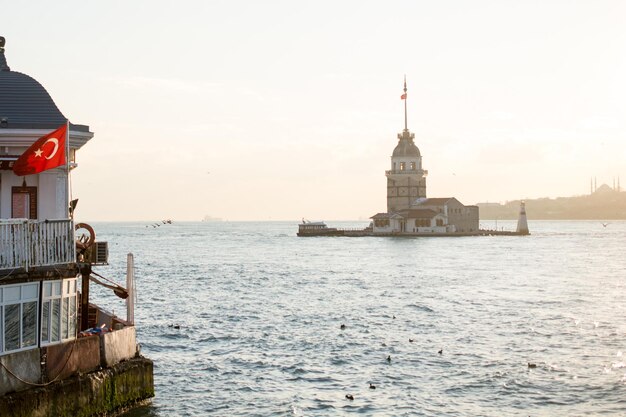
(67, 166)
(405, 100)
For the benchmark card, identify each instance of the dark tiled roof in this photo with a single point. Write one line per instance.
(435, 201)
(25, 104)
(381, 216)
(418, 214)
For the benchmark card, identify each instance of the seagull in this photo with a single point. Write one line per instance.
(605, 224)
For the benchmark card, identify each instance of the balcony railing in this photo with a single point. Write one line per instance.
(29, 244)
(423, 172)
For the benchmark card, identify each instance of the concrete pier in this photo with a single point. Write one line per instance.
(96, 393)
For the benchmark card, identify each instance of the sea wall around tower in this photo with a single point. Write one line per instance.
(96, 393)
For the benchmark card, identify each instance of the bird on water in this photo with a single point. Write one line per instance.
(349, 397)
(440, 351)
(389, 358)
(372, 386)
(342, 327)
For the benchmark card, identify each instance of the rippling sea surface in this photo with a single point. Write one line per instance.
(260, 313)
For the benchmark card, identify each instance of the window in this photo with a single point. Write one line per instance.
(58, 311)
(402, 166)
(412, 166)
(381, 222)
(18, 317)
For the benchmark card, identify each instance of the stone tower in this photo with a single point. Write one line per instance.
(406, 180)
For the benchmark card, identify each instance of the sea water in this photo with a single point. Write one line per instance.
(244, 319)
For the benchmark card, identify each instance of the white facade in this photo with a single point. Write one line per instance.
(50, 187)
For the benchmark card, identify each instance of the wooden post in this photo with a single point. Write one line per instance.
(85, 272)
(130, 287)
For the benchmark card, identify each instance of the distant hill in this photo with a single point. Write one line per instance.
(604, 204)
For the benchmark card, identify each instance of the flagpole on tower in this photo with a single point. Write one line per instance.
(405, 99)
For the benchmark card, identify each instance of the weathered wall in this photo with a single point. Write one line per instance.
(69, 358)
(85, 395)
(118, 345)
(25, 365)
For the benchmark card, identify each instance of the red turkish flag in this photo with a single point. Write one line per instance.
(46, 153)
(403, 96)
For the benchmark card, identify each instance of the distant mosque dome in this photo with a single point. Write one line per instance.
(25, 103)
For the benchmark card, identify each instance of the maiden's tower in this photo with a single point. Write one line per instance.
(409, 210)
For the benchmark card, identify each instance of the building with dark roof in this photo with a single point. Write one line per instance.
(44, 308)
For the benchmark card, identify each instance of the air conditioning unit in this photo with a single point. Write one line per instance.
(98, 253)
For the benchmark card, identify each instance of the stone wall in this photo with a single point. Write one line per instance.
(63, 360)
(26, 365)
(118, 346)
(95, 393)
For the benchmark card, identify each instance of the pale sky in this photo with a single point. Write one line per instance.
(278, 110)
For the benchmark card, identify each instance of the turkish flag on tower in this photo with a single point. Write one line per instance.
(403, 96)
(46, 153)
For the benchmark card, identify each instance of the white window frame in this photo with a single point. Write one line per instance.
(67, 291)
(20, 301)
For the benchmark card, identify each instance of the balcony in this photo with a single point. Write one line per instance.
(28, 244)
(422, 172)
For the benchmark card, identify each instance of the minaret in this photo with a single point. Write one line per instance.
(406, 180)
(522, 222)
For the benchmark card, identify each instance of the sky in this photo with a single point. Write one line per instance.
(279, 110)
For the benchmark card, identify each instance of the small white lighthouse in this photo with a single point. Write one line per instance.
(522, 222)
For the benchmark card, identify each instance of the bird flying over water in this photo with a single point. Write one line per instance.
(605, 224)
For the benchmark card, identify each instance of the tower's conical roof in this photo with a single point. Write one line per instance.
(406, 146)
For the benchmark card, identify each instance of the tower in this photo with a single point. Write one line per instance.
(406, 180)
(522, 222)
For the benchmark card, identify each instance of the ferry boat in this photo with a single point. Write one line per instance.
(60, 354)
(307, 228)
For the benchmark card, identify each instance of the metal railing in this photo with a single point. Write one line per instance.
(423, 172)
(30, 243)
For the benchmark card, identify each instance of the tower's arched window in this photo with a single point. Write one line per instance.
(412, 166)
(402, 166)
